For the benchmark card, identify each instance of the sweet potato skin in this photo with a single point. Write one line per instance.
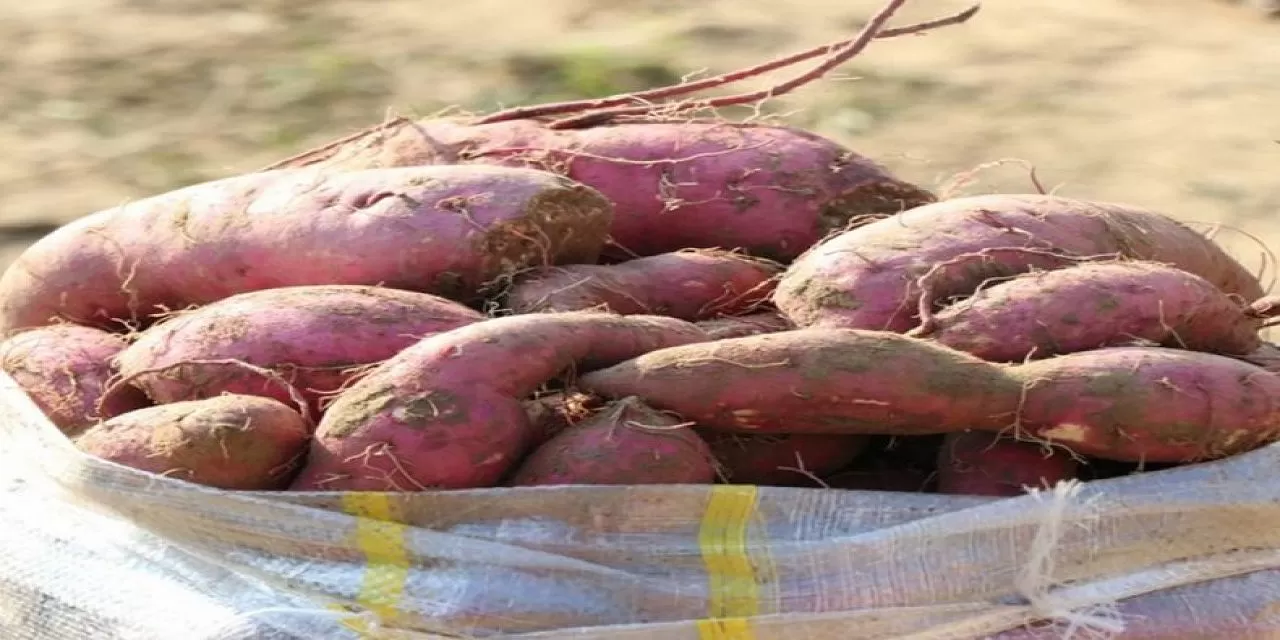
(690, 285)
(229, 442)
(868, 277)
(626, 442)
(312, 338)
(782, 460)
(67, 370)
(986, 464)
(751, 324)
(1094, 305)
(1149, 404)
(771, 191)
(447, 411)
(444, 230)
(832, 381)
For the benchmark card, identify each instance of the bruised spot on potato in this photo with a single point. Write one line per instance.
(352, 411)
(1067, 432)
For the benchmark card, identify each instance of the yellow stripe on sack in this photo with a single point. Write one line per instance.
(733, 592)
(386, 559)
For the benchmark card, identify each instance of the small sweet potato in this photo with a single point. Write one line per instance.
(987, 464)
(1093, 305)
(833, 381)
(1149, 404)
(66, 369)
(229, 442)
(626, 442)
(444, 230)
(690, 285)
(781, 460)
(447, 411)
(306, 341)
(752, 324)
(879, 275)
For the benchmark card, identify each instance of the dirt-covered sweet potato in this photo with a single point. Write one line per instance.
(879, 275)
(229, 442)
(1093, 305)
(625, 442)
(446, 230)
(310, 340)
(772, 191)
(987, 464)
(447, 412)
(1149, 404)
(833, 381)
(781, 460)
(67, 369)
(751, 324)
(690, 285)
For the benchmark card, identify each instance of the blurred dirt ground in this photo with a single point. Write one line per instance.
(1170, 104)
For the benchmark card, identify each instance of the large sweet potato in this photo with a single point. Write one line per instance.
(444, 230)
(769, 190)
(1149, 404)
(229, 442)
(310, 340)
(782, 460)
(1094, 305)
(690, 285)
(626, 442)
(879, 275)
(447, 411)
(67, 370)
(834, 381)
(986, 464)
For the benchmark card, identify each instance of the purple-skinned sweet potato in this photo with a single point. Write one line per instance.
(771, 191)
(447, 412)
(751, 324)
(690, 285)
(625, 442)
(832, 381)
(447, 230)
(878, 276)
(1093, 305)
(67, 370)
(230, 442)
(311, 340)
(987, 464)
(782, 460)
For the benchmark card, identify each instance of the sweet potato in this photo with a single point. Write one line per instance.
(229, 442)
(626, 442)
(781, 460)
(1149, 404)
(447, 411)
(1094, 305)
(66, 369)
(551, 413)
(833, 381)
(310, 340)
(769, 190)
(690, 285)
(986, 464)
(443, 230)
(871, 277)
(751, 324)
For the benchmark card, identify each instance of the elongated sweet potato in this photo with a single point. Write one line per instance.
(871, 277)
(833, 381)
(771, 191)
(229, 442)
(626, 442)
(447, 411)
(782, 460)
(310, 340)
(986, 464)
(66, 369)
(1094, 305)
(443, 230)
(1149, 404)
(690, 285)
(751, 324)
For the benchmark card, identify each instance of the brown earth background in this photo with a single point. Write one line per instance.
(1169, 104)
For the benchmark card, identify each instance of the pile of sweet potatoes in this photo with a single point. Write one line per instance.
(609, 291)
